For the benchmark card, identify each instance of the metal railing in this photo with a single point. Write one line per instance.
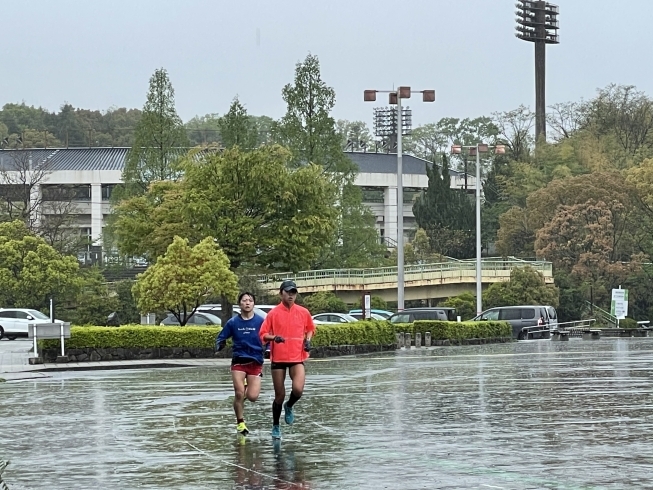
(603, 315)
(3, 467)
(490, 268)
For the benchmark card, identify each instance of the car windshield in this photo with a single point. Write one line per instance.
(38, 314)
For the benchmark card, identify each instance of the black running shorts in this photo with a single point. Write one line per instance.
(284, 365)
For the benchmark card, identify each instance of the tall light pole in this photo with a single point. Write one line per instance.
(476, 150)
(537, 22)
(395, 98)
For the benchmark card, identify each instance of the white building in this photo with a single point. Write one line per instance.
(90, 174)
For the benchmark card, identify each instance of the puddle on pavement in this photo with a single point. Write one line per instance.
(558, 415)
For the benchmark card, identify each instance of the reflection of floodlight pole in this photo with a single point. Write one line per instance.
(476, 150)
(395, 98)
(537, 22)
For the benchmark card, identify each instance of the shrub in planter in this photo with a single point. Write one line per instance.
(441, 330)
(370, 332)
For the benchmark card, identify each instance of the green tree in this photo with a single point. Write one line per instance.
(446, 214)
(237, 128)
(158, 138)
(262, 212)
(354, 135)
(514, 131)
(526, 287)
(465, 305)
(310, 133)
(94, 303)
(32, 271)
(203, 130)
(356, 242)
(307, 128)
(181, 280)
(126, 309)
(324, 302)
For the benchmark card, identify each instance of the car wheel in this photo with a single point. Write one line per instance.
(2, 332)
(522, 336)
(12, 337)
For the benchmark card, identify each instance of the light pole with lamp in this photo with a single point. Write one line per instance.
(395, 98)
(476, 150)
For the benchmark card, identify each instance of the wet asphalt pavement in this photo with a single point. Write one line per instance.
(527, 415)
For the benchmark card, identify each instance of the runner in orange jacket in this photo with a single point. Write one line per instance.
(290, 328)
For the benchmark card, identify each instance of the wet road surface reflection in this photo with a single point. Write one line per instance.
(536, 414)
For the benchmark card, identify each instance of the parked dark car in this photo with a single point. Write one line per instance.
(409, 315)
(527, 321)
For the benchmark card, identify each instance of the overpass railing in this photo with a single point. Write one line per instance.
(342, 277)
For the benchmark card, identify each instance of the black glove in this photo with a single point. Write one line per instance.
(222, 345)
(307, 345)
(279, 339)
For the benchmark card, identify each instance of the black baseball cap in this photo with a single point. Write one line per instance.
(288, 285)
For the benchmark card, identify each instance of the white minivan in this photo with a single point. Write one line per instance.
(14, 321)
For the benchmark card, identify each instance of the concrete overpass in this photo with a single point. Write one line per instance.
(424, 281)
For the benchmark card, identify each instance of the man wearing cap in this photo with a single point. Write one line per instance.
(290, 328)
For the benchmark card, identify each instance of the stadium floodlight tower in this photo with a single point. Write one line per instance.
(387, 122)
(537, 22)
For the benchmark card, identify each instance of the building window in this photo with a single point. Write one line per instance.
(81, 192)
(107, 189)
(411, 193)
(372, 194)
(14, 192)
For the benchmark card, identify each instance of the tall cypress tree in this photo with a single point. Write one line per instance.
(237, 128)
(309, 131)
(159, 139)
(446, 214)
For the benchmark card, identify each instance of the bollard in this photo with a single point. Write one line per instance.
(400, 339)
(63, 351)
(407, 341)
(427, 339)
(36, 350)
(418, 339)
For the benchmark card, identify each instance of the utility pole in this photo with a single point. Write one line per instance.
(537, 22)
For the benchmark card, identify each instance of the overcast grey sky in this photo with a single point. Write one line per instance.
(100, 53)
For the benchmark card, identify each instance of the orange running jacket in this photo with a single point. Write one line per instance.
(292, 324)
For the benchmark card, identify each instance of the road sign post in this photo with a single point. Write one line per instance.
(619, 304)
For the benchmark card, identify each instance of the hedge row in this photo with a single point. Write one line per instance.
(441, 330)
(141, 336)
(369, 332)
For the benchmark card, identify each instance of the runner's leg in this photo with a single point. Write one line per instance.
(253, 388)
(238, 378)
(278, 380)
(298, 377)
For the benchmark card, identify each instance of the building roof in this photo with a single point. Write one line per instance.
(62, 159)
(386, 163)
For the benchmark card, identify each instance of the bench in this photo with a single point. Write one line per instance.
(560, 335)
(591, 334)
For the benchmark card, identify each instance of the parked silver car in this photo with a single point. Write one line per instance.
(198, 318)
(333, 318)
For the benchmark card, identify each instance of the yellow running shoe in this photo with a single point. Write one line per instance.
(242, 429)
